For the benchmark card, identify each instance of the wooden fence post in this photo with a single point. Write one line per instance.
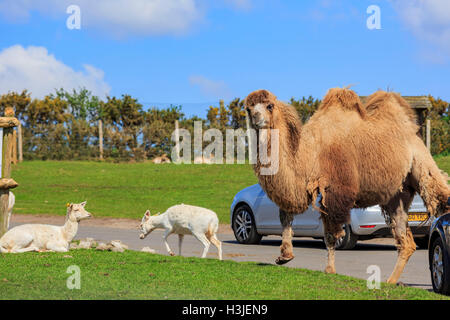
(19, 142)
(100, 138)
(428, 136)
(7, 125)
(14, 148)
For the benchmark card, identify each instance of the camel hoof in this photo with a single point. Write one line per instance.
(171, 254)
(330, 270)
(283, 260)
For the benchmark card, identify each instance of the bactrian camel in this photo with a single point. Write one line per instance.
(354, 156)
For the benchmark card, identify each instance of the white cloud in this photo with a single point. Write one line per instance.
(120, 17)
(39, 72)
(428, 20)
(210, 88)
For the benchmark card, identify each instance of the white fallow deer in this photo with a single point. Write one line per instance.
(182, 220)
(42, 237)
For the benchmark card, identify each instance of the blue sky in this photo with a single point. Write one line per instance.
(195, 52)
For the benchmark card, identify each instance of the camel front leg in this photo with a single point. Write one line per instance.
(286, 248)
(397, 214)
(332, 233)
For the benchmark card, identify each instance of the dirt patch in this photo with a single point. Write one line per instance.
(119, 223)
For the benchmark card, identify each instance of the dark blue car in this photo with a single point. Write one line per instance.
(439, 255)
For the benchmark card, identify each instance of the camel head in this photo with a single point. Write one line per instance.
(262, 109)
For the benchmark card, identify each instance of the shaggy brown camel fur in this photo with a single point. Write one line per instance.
(353, 156)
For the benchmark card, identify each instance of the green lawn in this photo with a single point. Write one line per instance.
(126, 190)
(444, 163)
(137, 275)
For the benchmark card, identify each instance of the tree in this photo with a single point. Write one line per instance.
(158, 127)
(123, 122)
(440, 125)
(237, 112)
(305, 107)
(19, 101)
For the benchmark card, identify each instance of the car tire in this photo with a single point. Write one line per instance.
(347, 242)
(439, 267)
(422, 242)
(244, 226)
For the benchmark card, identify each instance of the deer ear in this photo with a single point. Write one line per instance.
(83, 203)
(147, 214)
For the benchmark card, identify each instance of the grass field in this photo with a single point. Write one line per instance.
(126, 190)
(137, 275)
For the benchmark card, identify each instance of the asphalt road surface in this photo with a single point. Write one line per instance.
(309, 253)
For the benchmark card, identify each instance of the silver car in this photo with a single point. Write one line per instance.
(253, 215)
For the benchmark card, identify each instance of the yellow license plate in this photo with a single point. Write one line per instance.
(417, 216)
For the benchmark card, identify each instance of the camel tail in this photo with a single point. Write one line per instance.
(344, 99)
(431, 182)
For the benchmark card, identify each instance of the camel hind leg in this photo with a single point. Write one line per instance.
(286, 248)
(397, 214)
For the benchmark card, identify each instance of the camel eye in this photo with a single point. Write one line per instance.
(270, 107)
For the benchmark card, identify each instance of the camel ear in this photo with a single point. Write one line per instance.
(258, 96)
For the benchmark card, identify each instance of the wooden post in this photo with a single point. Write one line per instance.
(19, 142)
(428, 134)
(100, 138)
(14, 147)
(7, 125)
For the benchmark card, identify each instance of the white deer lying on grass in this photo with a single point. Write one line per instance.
(11, 202)
(184, 219)
(42, 237)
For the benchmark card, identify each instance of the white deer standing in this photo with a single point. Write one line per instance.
(184, 219)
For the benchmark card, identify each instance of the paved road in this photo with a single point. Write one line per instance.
(310, 254)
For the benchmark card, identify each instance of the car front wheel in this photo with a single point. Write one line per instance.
(348, 241)
(244, 226)
(439, 267)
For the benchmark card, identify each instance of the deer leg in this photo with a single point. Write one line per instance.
(218, 245)
(180, 241)
(166, 234)
(57, 246)
(27, 249)
(396, 211)
(286, 241)
(204, 240)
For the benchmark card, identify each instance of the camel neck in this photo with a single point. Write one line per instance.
(292, 166)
